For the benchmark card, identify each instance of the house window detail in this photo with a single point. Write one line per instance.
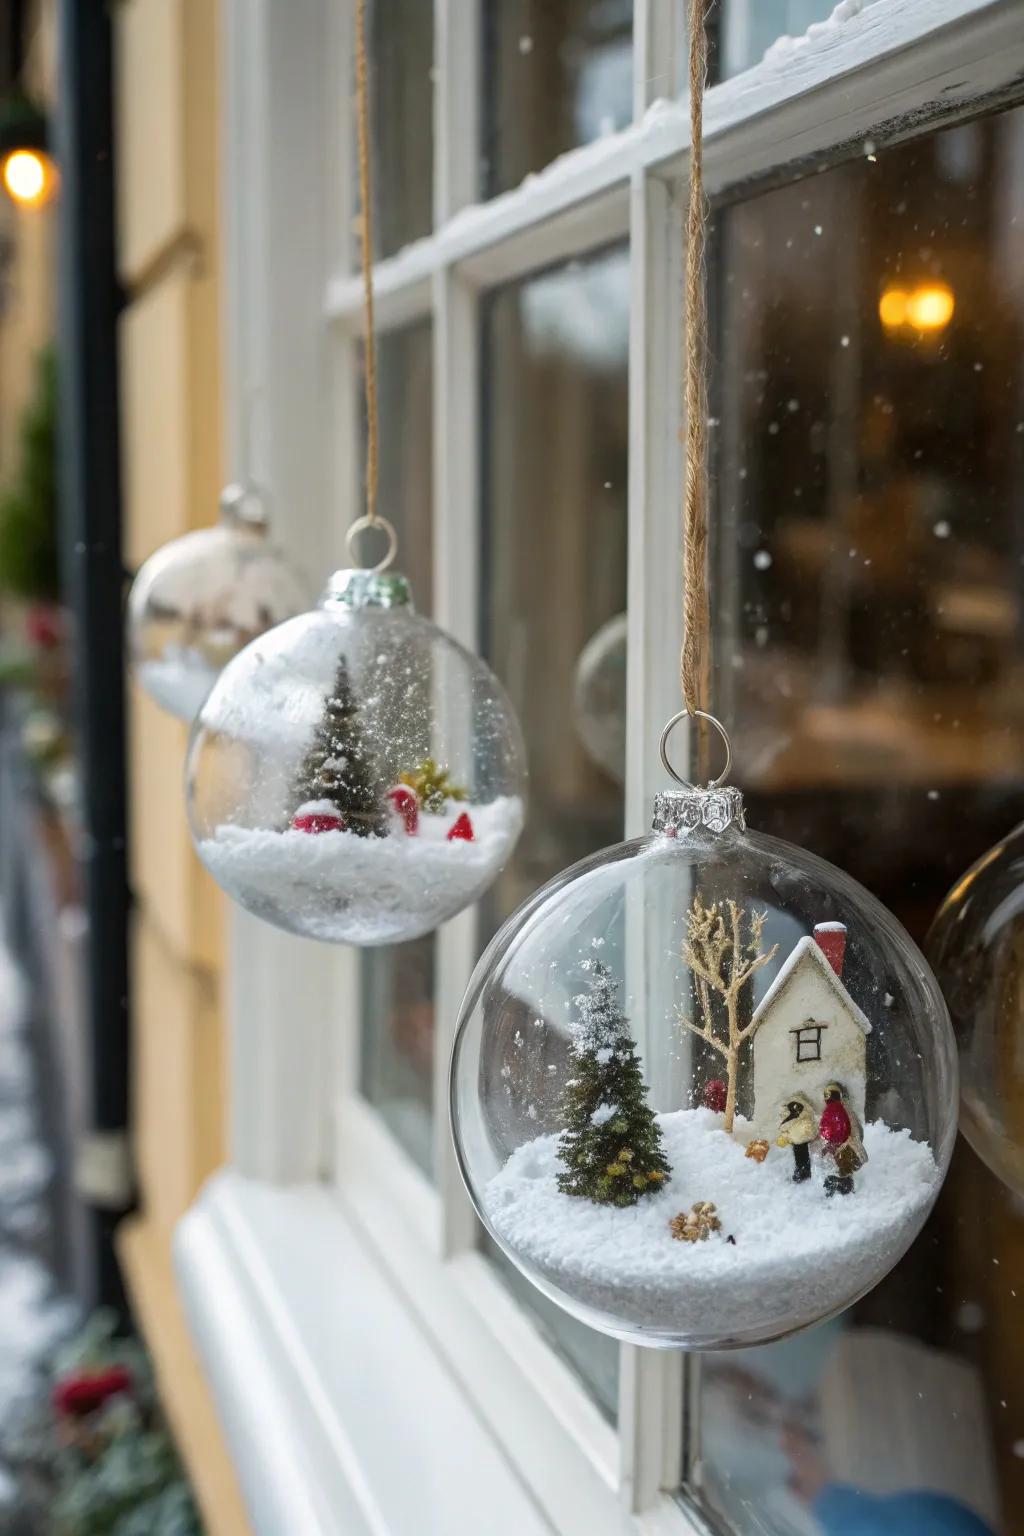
(808, 1041)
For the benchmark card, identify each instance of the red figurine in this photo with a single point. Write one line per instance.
(461, 831)
(714, 1095)
(841, 1133)
(317, 816)
(404, 801)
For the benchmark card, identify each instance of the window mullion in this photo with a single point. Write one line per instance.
(651, 1384)
(456, 508)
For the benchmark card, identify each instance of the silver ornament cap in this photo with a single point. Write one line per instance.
(680, 812)
(354, 589)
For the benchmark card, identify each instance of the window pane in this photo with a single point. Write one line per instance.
(554, 595)
(869, 651)
(400, 37)
(398, 980)
(750, 27)
(557, 73)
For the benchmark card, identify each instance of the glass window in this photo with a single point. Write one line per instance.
(870, 648)
(397, 981)
(400, 38)
(749, 28)
(554, 595)
(557, 73)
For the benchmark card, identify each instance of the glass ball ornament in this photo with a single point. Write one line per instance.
(197, 601)
(356, 775)
(976, 945)
(703, 1088)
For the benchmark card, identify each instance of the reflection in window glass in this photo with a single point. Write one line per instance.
(749, 28)
(870, 650)
(554, 593)
(557, 73)
(397, 982)
(401, 47)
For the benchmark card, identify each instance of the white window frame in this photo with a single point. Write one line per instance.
(310, 1176)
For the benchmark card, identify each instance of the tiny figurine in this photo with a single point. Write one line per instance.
(317, 816)
(432, 784)
(798, 1128)
(757, 1150)
(714, 1095)
(461, 830)
(808, 1031)
(697, 1224)
(405, 804)
(841, 1132)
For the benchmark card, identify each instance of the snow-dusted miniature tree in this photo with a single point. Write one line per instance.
(611, 1146)
(723, 958)
(339, 766)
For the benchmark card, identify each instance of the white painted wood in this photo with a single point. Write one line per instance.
(649, 1384)
(887, 73)
(281, 990)
(341, 1417)
(457, 98)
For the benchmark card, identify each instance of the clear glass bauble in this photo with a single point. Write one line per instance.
(356, 775)
(591, 1118)
(199, 600)
(976, 945)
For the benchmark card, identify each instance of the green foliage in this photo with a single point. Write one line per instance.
(110, 1472)
(339, 766)
(431, 782)
(611, 1145)
(28, 508)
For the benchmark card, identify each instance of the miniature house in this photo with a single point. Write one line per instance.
(809, 1031)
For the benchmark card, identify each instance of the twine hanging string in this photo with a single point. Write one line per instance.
(366, 221)
(695, 660)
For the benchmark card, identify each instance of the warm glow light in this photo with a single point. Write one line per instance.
(929, 307)
(892, 308)
(28, 177)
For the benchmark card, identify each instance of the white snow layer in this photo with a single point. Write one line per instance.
(365, 890)
(798, 1256)
(178, 680)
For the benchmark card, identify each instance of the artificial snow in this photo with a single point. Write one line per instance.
(178, 680)
(798, 1255)
(348, 889)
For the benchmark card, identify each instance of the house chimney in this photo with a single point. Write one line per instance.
(831, 940)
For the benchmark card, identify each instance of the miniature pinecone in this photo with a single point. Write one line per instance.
(697, 1224)
(758, 1150)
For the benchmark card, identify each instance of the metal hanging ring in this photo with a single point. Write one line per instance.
(363, 525)
(695, 714)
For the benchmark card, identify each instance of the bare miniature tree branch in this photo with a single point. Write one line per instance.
(722, 961)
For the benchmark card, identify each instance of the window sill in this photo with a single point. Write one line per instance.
(342, 1414)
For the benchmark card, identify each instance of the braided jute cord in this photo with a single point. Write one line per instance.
(695, 661)
(366, 220)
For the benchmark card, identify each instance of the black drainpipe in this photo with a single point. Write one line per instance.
(90, 498)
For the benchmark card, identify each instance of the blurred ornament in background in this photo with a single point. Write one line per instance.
(976, 945)
(356, 775)
(631, 1049)
(599, 697)
(199, 600)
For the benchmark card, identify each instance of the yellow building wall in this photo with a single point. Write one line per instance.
(168, 116)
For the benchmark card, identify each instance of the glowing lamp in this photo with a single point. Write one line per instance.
(29, 177)
(927, 308)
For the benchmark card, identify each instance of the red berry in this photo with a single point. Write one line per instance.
(404, 801)
(715, 1095)
(461, 830)
(85, 1391)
